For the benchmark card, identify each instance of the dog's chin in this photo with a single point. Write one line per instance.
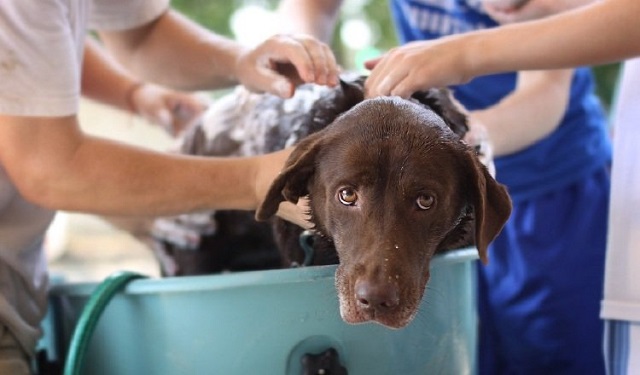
(396, 319)
(351, 315)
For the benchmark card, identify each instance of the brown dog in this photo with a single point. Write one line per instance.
(390, 184)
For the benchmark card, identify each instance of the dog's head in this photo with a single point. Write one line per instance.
(391, 184)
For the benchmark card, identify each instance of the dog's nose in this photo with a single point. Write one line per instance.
(377, 296)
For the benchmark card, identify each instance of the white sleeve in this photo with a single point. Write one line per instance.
(622, 280)
(39, 58)
(124, 14)
(41, 47)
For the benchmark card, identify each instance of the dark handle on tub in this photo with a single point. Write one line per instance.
(325, 363)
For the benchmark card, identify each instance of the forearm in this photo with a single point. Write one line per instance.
(602, 32)
(530, 113)
(313, 17)
(104, 80)
(176, 52)
(133, 181)
(64, 169)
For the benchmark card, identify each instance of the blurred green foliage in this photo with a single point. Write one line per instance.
(606, 80)
(211, 14)
(215, 15)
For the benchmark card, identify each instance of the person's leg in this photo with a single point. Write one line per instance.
(540, 293)
(634, 349)
(13, 360)
(622, 347)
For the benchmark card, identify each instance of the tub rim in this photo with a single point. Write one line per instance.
(226, 281)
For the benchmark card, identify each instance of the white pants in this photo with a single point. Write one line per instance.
(12, 359)
(622, 347)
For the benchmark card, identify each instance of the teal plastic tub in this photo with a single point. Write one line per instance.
(265, 322)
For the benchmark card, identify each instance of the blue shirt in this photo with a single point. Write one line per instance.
(580, 144)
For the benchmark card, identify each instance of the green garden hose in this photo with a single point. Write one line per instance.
(89, 318)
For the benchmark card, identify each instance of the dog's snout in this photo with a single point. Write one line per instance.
(378, 297)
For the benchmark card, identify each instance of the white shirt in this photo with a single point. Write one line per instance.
(41, 48)
(622, 274)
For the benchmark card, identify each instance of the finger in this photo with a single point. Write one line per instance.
(270, 76)
(404, 88)
(371, 64)
(384, 78)
(319, 62)
(379, 87)
(373, 81)
(332, 67)
(390, 85)
(314, 62)
(287, 49)
(323, 62)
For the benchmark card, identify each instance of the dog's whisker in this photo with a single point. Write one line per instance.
(431, 290)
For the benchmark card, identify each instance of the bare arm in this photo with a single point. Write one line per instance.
(536, 107)
(313, 17)
(510, 11)
(54, 165)
(104, 80)
(604, 31)
(530, 113)
(176, 52)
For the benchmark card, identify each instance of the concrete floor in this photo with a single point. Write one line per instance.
(84, 247)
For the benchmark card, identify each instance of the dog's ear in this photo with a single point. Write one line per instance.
(443, 104)
(491, 205)
(488, 210)
(292, 183)
(327, 109)
(353, 90)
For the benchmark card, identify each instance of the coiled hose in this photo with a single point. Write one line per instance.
(91, 313)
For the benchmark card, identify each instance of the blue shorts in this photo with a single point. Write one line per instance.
(539, 296)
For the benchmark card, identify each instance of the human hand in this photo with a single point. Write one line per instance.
(511, 11)
(478, 138)
(173, 110)
(417, 66)
(282, 62)
(267, 169)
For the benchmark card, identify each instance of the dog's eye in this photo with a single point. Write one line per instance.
(347, 196)
(425, 202)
